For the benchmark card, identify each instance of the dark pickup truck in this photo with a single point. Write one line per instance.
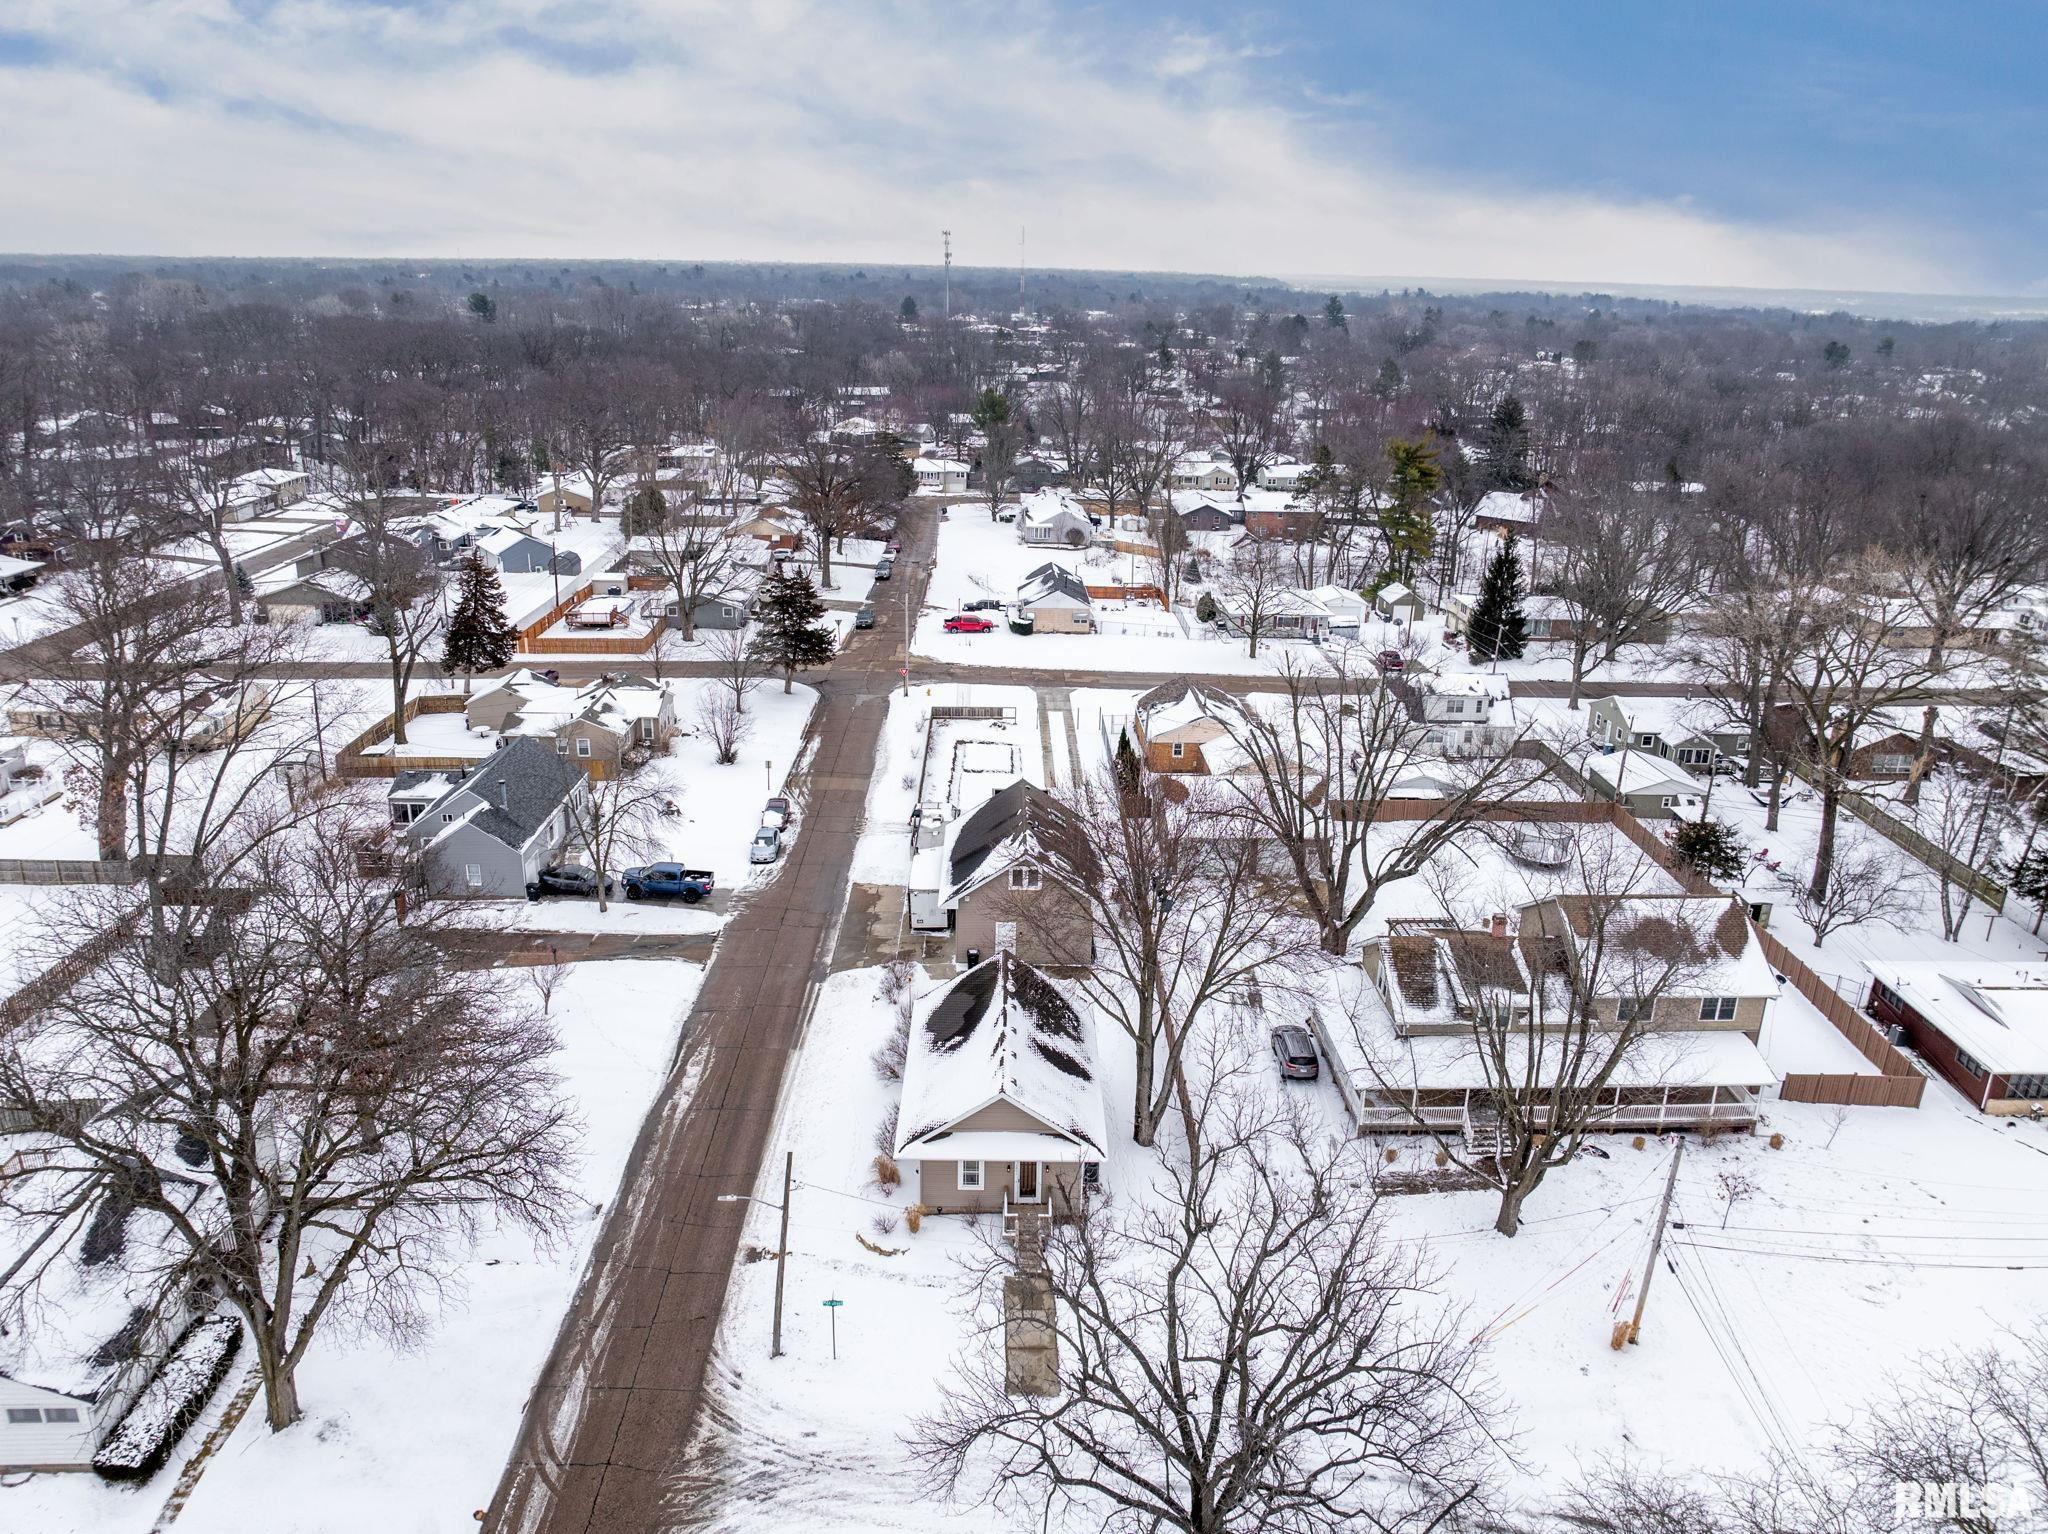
(664, 879)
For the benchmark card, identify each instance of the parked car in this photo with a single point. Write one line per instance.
(1296, 1052)
(884, 568)
(1390, 660)
(895, 546)
(689, 885)
(766, 846)
(776, 815)
(781, 805)
(968, 625)
(567, 879)
(865, 618)
(983, 605)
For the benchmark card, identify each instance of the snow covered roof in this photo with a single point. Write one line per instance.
(1508, 506)
(1706, 939)
(938, 466)
(1052, 585)
(1001, 1033)
(1995, 1013)
(1641, 772)
(613, 701)
(1707, 1058)
(1013, 823)
(1043, 507)
(1464, 684)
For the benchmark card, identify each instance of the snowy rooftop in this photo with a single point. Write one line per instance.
(1002, 1032)
(1640, 772)
(1995, 1013)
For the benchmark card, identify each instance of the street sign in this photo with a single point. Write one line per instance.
(833, 1307)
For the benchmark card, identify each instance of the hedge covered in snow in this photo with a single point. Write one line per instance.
(138, 1446)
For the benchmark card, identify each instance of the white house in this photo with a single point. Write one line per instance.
(1288, 475)
(1202, 474)
(1466, 711)
(1052, 517)
(940, 476)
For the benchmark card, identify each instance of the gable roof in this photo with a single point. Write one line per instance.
(1002, 1032)
(520, 786)
(1010, 822)
(1049, 582)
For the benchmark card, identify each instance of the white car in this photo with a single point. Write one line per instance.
(766, 846)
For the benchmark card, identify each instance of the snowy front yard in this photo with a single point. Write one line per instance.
(413, 1439)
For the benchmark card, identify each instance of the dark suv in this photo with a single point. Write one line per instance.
(566, 879)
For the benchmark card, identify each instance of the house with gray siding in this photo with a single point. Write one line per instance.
(495, 830)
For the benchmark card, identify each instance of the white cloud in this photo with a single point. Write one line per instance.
(788, 130)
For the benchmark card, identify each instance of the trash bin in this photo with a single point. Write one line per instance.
(973, 957)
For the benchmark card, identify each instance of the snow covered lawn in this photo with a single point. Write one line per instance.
(413, 1439)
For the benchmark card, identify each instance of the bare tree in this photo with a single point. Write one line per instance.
(735, 666)
(1622, 561)
(1872, 885)
(407, 593)
(724, 724)
(1325, 761)
(1969, 821)
(613, 823)
(357, 1106)
(1177, 918)
(699, 558)
(1554, 1016)
(1253, 588)
(1246, 1350)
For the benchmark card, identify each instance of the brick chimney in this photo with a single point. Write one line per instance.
(1497, 924)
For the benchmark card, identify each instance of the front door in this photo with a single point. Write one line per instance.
(1027, 1182)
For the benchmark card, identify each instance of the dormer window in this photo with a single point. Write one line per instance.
(1025, 877)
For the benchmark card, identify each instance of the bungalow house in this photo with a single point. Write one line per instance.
(1280, 615)
(1661, 726)
(1347, 609)
(1879, 752)
(1009, 863)
(1185, 726)
(512, 551)
(1202, 512)
(600, 726)
(566, 495)
(1275, 514)
(325, 596)
(1002, 1105)
(1288, 477)
(493, 832)
(1056, 601)
(1436, 998)
(18, 575)
(1211, 474)
(1649, 786)
(262, 491)
(208, 718)
(1508, 511)
(1982, 1025)
(1052, 517)
(940, 476)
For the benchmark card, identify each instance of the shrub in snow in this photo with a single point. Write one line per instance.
(144, 1438)
(886, 1174)
(885, 1132)
(895, 1049)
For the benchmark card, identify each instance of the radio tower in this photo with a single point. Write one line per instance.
(947, 236)
(1020, 268)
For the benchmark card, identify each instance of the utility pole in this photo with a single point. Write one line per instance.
(1635, 1325)
(782, 1246)
(947, 236)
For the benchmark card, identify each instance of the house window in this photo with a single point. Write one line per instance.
(1025, 877)
(1647, 742)
(1888, 761)
(1666, 801)
(447, 818)
(561, 745)
(21, 1415)
(2034, 1087)
(583, 745)
(1179, 750)
(1717, 1009)
(60, 1414)
(1692, 756)
(1091, 1174)
(1879, 991)
(1633, 1009)
(970, 1177)
(1969, 1063)
(473, 875)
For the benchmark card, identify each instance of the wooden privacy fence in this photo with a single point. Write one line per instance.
(595, 643)
(350, 762)
(83, 870)
(1907, 839)
(1900, 1085)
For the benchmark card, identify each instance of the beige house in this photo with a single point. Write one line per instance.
(1056, 601)
(1001, 1109)
(600, 726)
(1009, 865)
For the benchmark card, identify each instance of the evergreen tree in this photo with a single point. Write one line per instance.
(790, 637)
(1333, 314)
(1504, 447)
(1128, 773)
(1406, 522)
(483, 307)
(1499, 630)
(1835, 354)
(1389, 381)
(2028, 879)
(478, 638)
(645, 510)
(909, 309)
(1710, 850)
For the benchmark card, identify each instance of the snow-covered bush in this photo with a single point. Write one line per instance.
(143, 1439)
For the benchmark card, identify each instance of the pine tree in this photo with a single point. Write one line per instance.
(1504, 447)
(1128, 773)
(1498, 630)
(790, 637)
(645, 510)
(1334, 316)
(1710, 850)
(479, 638)
(909, 309)
(1406, 522)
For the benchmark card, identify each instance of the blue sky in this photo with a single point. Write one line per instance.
(1868, 145)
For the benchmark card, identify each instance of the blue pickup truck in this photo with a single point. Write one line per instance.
(690, 885)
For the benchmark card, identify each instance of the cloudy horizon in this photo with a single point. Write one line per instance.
(795, 131)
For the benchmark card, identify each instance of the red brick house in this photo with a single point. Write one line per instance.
(1983, 1026)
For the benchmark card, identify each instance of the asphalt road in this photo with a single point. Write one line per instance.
(601, 1446)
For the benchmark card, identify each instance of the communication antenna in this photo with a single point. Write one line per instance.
(947, 236)
(1020, 268)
